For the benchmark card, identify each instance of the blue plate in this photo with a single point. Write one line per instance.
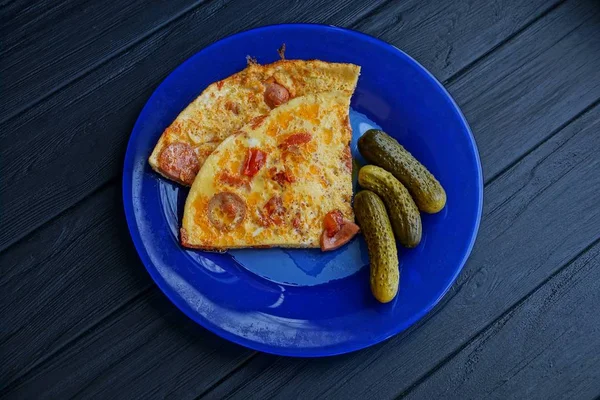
(304, 302)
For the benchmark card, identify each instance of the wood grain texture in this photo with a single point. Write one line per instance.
(179, 358)
(125, 331)
(74, 142)
(46, 285)
(526, 235)
(98, 111)
(16, 14)
(62, 282)
(70, 51)
(118, 292)
(445, 37)
(530, 87)
(550, 345)
(50, 44)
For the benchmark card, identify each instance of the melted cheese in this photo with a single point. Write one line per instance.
(227, 105)
(320, 179)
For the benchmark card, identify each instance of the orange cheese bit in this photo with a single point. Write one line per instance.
(284, 119)
(327, 136)
(200, 207)
(309, 112)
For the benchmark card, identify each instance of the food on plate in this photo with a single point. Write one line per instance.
(267, 153)
(384, 151)
(283, 180)
(224, 107)
(402, 210)
(383, 254)
(402, 185)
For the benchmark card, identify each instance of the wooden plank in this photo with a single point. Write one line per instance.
(49, 44)
(64, 46)
(526, 235)
(82, 255)
(100, 109)
(14, 14)
(530, 87)
(107, 362)
(164, 344)
(445, 37)
(65, 159)
(548, 347)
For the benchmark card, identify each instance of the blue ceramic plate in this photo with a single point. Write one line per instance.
(304, 302)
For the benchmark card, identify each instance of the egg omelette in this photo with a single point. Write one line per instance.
(227, 105)
(283, 180)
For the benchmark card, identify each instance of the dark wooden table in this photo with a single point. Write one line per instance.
(80, 316)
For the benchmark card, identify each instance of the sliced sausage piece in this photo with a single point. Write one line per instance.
(343, 236)
(178, 161)
(275, 94)
(226, 211)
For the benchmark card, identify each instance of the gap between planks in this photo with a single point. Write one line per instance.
(515, 305)
(503, 42)
(212, 10)
(104, 60)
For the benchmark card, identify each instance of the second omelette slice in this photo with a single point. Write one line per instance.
(225, 106)
(285, 180)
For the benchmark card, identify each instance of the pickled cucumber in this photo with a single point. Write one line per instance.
(384, 151)
(375, 225)
(402, 210)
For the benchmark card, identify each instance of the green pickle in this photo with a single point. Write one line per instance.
(402, 210)
(384, 151)
(375, 225)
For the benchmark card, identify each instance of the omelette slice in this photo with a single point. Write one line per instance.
(284, 180)
(226, 106)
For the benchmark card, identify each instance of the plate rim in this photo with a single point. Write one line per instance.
(127, 197)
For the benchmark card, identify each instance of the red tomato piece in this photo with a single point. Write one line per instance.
(333, 222)
(282, 177)
(257, 121)
(297, 222)
(296, 139)
(274, 211)
(255, 159)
